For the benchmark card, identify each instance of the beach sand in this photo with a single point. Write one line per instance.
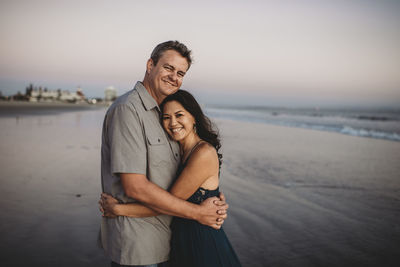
(297, 197)
(308, 198)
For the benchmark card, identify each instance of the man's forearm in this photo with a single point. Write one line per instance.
(162, 201)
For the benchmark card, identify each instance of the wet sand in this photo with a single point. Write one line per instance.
(310, 198)
(297, 197)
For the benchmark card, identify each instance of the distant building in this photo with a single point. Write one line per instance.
(44, 95)
(73, 97)
(110, 94)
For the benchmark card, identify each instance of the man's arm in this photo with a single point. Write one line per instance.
(140, 188)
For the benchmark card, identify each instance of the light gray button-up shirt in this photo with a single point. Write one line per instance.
(133, 141)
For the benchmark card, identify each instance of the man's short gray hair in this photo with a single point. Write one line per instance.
(171, 45)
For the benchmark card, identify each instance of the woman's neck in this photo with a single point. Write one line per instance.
(188, 143)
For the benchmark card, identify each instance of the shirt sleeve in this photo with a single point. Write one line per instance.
(127, 142)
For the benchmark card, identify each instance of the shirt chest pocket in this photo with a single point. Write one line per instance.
(158, 151)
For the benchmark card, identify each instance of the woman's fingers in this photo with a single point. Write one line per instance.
(101, 207)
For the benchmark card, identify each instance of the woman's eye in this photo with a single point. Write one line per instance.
(165, 118)
(179, 115)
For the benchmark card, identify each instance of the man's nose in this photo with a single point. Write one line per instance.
(173, 76)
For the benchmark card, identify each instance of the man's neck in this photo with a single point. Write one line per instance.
(157, 98)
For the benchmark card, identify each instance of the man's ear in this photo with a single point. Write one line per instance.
(149, 65)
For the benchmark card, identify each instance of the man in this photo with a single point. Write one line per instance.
(139, 163)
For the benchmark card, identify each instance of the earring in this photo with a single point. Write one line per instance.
(194, 128)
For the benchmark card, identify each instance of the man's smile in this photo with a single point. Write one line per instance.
(170, 83)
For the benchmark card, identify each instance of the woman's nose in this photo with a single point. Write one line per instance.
(172, 121)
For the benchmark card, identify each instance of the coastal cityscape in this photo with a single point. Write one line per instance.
(37, 94)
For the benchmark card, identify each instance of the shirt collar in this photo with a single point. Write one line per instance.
(148, 101)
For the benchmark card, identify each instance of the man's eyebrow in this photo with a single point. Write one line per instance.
(168, 65)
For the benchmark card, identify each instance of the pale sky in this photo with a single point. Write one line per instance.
(246, 52)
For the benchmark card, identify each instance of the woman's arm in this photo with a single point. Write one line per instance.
(110, 207)
(202, 165)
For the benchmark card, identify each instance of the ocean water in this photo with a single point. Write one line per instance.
(374, 123)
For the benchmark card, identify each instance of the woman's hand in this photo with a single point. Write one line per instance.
(107, 205)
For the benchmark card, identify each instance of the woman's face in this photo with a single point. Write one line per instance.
(177, 121)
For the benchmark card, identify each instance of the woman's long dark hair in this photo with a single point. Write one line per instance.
(205, 129)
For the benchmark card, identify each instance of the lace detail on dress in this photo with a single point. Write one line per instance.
(202, 194)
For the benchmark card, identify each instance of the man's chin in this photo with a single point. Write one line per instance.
(171, 91)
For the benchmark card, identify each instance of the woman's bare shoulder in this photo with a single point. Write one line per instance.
(205, 152)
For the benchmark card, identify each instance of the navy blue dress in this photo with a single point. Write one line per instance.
(197, 245)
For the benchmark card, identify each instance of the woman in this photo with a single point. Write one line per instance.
(192, 244)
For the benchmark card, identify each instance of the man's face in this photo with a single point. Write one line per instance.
(166, 77)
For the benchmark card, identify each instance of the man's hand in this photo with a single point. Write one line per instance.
(213, 211)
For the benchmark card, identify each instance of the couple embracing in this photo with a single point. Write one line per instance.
(160, 165)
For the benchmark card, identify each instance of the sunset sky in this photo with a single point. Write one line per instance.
(285, 53)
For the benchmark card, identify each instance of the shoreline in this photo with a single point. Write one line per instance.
(20, 108)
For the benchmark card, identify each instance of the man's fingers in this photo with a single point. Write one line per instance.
(222, 197)
(220, 203)
(216, 226)
(222, 209)
(214, 199)
(222, 217)
(221, 212)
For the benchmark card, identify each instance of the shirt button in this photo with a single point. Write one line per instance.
(159, 140)
(176, 154)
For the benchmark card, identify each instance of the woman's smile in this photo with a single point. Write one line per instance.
(177, 121)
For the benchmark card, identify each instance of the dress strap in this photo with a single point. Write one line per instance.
(191, 151)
